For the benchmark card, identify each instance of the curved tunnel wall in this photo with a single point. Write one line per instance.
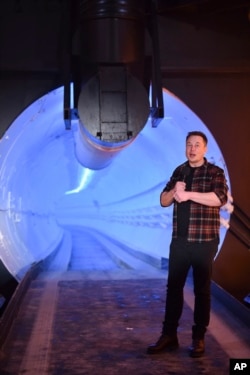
(45, 191)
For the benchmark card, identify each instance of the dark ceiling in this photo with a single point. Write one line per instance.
(226, 16)
(229, 16)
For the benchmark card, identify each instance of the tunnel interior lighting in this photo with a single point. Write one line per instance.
(46, 192)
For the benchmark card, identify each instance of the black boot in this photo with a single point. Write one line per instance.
(165, 342)
(197, 348)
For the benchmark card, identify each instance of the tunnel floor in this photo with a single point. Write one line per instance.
(88, 253)
(101, 322)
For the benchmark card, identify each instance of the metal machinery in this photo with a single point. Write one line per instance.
(113, 77)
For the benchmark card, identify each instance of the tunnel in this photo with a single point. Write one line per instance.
(82, 167)
(83, 161)
(55, 209)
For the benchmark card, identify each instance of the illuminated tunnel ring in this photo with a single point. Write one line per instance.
(45, 191)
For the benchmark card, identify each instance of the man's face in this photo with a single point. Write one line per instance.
(195, 150)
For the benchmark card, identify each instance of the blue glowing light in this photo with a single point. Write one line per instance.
(46, 194)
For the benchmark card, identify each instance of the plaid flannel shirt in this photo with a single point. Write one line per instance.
(204, 221)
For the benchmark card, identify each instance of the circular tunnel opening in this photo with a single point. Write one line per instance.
(52, 207)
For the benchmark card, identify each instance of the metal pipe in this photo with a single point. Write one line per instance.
(113, 105)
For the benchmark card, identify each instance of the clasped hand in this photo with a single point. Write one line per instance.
(180, 195)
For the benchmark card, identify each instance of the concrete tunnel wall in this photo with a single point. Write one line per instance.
(45, 191)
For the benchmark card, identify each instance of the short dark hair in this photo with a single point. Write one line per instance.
(196, 132)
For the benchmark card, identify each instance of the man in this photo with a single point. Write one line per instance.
(198, 189)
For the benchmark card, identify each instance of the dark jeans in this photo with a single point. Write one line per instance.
(183, 256)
